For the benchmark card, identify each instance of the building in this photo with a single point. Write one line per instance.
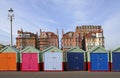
(25, 39)
(47, 39)
(85, 37)
(71, 39)
(93, 39)
(91, 36)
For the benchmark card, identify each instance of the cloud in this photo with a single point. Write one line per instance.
(26, 16)
(49, 15)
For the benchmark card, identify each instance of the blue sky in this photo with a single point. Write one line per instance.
(48, 15)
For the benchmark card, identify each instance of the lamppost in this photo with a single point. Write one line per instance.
(10, 16)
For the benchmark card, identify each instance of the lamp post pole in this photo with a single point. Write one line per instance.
(10, 16)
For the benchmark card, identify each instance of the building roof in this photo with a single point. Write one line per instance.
(116, 49)
(30, 49)
(52, 34)
(52, 49)
(75, 49)
(9, 49)
(48, 35)
(68, 35)
(89, 26)
(32, 35)
(98, 49)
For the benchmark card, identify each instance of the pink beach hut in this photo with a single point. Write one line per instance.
(30, 59)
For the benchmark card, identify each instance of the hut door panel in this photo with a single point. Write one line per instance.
(95, 65)
(0, 61)
(70, 61)
(116, 61)
(103, 60)
(25, 61)
(34, 61)
(47, 61)
(57, 61)
(3, 60)
(11, 61)
(80, 61)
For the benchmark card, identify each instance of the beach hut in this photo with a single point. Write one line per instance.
(30, 59)
(52, 59)
(9, 59)
(98, 59)
(76, 59)
(115, 59)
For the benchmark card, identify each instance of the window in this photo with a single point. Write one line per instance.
(99, 34)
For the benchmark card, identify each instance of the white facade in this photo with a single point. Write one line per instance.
(99, 35)
(53, 61)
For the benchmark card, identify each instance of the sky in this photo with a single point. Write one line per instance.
(50, 15)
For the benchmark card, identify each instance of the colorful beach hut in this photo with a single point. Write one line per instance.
(76, 59)
(30, 59)
(115, 59)
(9, 59)
(52, 59)
(98, 59)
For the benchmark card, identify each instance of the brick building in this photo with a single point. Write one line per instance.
(92, 35)
(71, 39)
(47, 39)
(85, 37)
(26, 39)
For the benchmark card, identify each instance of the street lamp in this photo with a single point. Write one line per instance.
(10, 16)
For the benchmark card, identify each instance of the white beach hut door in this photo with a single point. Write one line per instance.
(57, 61)
(53, 61)
(47, 61)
